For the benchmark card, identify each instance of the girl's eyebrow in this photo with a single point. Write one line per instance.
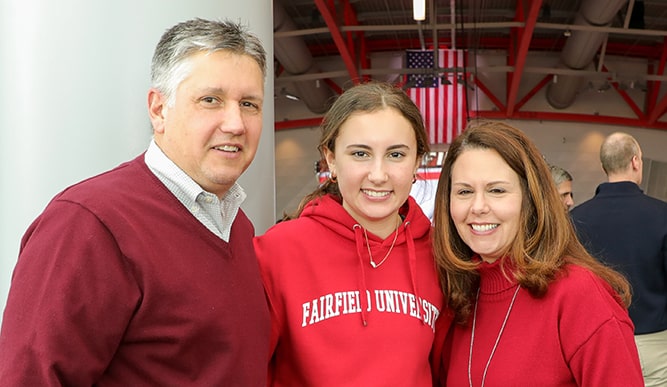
(364, 146)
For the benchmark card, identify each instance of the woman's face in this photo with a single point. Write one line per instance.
(485, 202)
(375, 160)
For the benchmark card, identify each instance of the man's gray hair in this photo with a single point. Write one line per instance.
(171, 63)
(559, 174)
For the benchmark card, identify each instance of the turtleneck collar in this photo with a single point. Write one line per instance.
(496, 277)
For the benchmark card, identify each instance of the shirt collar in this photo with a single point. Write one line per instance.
(180, 182)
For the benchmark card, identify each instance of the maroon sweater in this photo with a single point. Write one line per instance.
(118, 284)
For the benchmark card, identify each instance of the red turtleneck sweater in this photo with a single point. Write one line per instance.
(576, 335)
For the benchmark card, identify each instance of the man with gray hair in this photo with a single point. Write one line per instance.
(563, 181)
(627, 229)
(146, 274)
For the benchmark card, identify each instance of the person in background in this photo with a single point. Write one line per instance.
(146, 274)
(627, 229)
(532, 307)
(563, 181)
(351, 281)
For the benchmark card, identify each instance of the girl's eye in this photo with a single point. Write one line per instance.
(359, 153)
(396, 155)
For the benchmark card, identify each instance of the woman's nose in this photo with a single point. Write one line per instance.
(479, 204)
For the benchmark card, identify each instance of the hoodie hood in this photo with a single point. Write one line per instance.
(328, 210)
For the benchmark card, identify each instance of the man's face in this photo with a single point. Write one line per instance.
(565, 192)
(213, 128)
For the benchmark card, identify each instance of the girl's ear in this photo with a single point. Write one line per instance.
(330, 157)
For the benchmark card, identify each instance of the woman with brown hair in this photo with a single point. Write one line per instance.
(532, 307)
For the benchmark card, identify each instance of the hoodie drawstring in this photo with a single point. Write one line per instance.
(362, 274)
(412, 262)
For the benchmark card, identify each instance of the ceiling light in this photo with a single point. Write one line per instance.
(289, 95)
(419, 10)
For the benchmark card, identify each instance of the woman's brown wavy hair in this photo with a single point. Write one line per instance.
(547, 242)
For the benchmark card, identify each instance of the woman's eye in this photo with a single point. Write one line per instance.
(497, 190)
(359, 153)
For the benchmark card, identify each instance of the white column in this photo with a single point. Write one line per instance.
(74, 76)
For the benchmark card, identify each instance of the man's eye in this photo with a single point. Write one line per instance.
(209, 100)
(251, 108)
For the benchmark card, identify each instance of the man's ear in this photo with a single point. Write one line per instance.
(157, 109)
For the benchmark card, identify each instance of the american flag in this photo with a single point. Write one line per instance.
(444, 107)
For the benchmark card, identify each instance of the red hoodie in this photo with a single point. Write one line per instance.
(337, 321)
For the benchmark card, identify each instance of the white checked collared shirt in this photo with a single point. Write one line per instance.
(213, 213)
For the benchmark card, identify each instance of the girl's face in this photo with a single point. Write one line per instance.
(375, 162)
(485, 202)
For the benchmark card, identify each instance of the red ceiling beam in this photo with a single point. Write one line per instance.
(496, 101)
(534, 116)
(571, 117)
(297, 124)
(351, 19)
(652, 89)
(626, 97)
(545, 81)
(334, 86)
(656, 110)
(537, 44)
(526, 35)
(338, 39)
(631, 103)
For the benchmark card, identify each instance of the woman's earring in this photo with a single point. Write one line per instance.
(414, 178)
(332, 178)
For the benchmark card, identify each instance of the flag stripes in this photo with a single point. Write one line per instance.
(444, 107)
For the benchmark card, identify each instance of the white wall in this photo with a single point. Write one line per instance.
(75, 76)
